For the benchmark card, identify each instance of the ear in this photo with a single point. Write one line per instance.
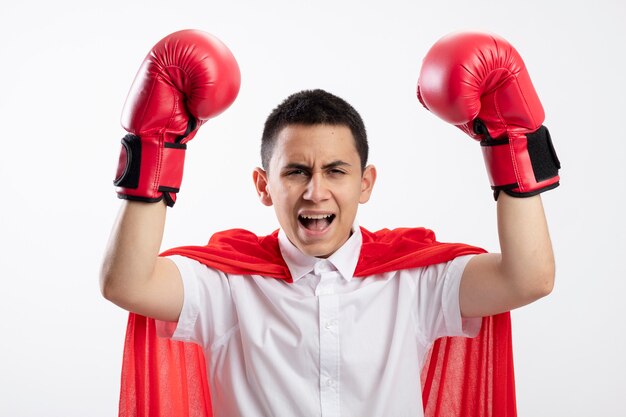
(262, 186)
(367, 183)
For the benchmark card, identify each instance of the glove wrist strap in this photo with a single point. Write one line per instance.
(521, 165)
(149, 170)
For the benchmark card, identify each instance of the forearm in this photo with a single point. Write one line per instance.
(132, 250)
(527, 256)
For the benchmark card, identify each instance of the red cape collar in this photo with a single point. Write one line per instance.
(239, 251)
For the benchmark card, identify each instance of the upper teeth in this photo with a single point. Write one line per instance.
(316, 216)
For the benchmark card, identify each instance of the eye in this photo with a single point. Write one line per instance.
(336, 171)
(296, 172)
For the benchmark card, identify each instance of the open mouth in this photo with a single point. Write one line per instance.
(316, 222)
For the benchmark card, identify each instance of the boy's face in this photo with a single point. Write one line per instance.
(315, 184)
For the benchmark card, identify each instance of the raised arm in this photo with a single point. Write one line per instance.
(132, 274)
(524, 270)
(187, 78)
(479, 83)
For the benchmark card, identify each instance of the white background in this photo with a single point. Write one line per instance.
(66, 68)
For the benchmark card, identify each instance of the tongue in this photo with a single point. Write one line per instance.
(316, 224)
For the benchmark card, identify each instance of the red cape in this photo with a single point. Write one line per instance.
(462, 377)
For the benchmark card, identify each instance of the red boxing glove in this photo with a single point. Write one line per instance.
(479, 83)
(187, 78)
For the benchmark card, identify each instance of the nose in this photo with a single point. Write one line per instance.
(317, 189)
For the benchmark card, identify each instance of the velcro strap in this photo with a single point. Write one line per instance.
(149, 169)
(525, 163)
(543, 157)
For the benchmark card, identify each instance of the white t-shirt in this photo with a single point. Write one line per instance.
(328, 344)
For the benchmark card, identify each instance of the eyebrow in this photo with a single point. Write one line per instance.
(330, 165)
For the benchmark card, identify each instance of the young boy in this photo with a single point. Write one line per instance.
(324, 318)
